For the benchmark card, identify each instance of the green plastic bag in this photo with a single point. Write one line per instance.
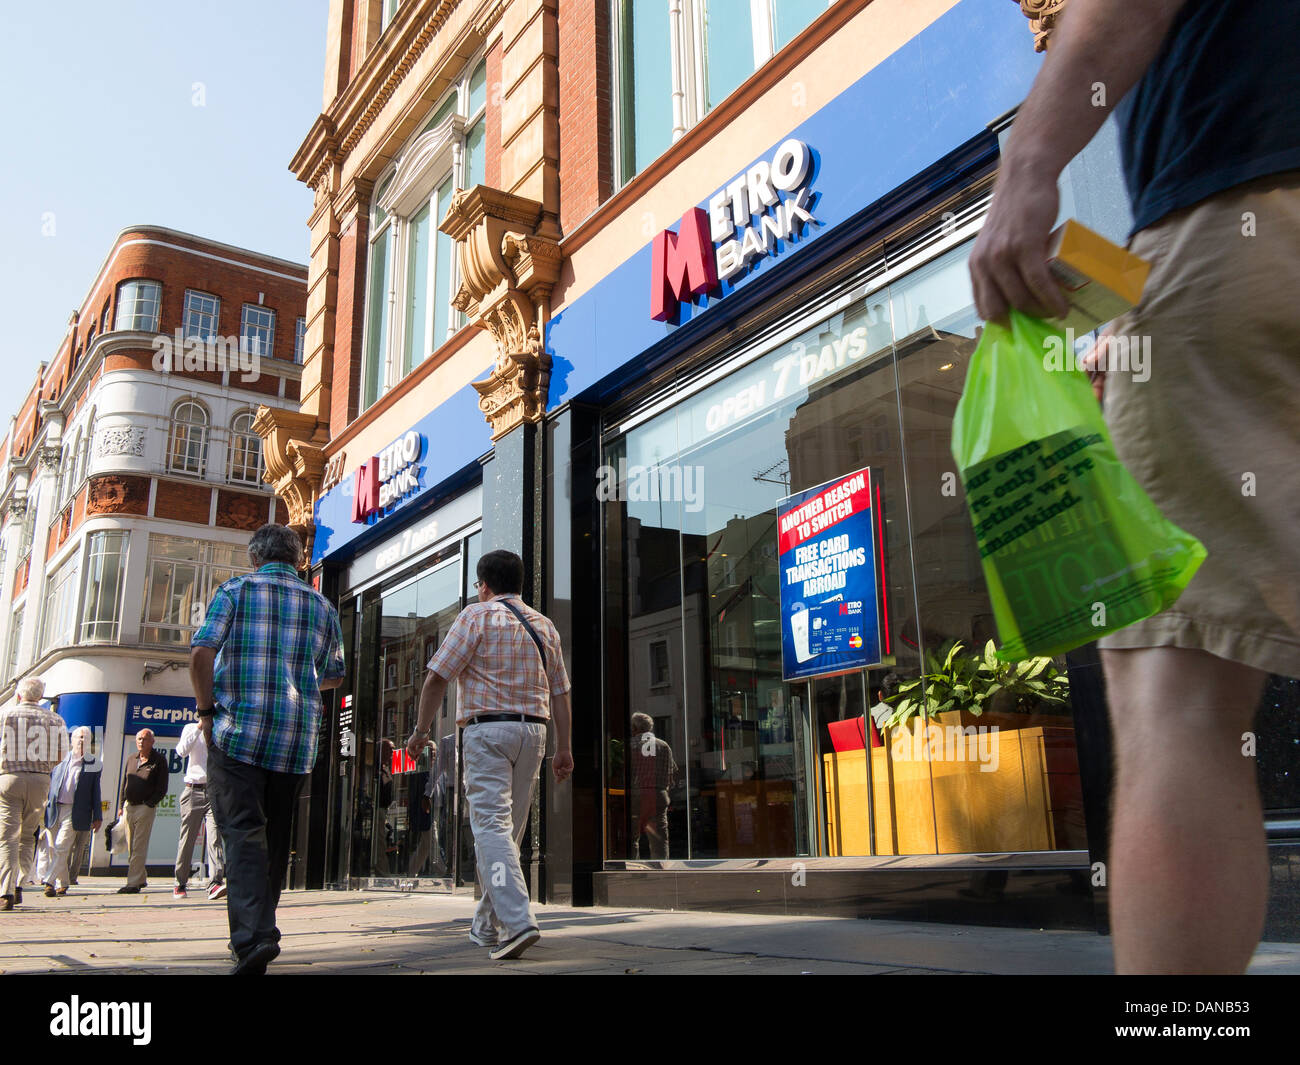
(1072, 548)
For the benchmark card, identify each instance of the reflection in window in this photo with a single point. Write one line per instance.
(201, 312)
(257, 331)
(59, 615)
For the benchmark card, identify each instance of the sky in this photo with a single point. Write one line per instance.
(179, 113)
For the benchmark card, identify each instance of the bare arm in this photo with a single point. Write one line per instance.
(201, 660)
(561, 715)
(1097, 53)
(331, 682)
(431, 696)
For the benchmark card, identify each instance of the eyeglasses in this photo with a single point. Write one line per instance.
(478, 585)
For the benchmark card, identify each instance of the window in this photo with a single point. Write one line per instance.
(390, 9)
(719, 43)
(245, 451)
(201, 314)
(187, 452)
(29, 526)
(257, 331)
(182, 576)
(90, 335)
(68, 471)
(138, 305)
(15, 641)
(659, 674)
(83, 451)
(59, 619)
(104, 318)
(412, 273)
(299, 340)
(101, 612)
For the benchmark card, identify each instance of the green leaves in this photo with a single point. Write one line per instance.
(955, 681)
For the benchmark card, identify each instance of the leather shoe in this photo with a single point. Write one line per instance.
(128, 890)
(18, 896)
(255, 961)
(49, 891)
(6, 902)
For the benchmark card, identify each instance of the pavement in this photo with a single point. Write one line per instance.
(92, 930)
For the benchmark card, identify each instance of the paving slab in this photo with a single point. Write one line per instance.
(95, 930)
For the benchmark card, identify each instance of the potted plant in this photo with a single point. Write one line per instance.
(975, 683)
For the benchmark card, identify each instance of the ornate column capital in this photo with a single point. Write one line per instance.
(292, 445)
(508, 270)
(50, 458)
(1042, 15)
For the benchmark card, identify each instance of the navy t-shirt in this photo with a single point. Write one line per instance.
(1220, 105)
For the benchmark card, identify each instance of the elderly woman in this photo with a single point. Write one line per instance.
(73, 806)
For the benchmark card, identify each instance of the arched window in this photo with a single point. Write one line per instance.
(68, 470)
(245, 451)
(188, 449)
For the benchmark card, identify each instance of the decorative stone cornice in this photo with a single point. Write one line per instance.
(1042, 15)
(292, 444)
(50, 458)
(507, 272)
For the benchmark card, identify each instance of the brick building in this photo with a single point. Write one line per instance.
(604, 282)
(133, 477)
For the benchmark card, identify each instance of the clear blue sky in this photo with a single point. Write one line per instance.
(102, 133)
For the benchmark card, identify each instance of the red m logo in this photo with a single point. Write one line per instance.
(681, 265)
(365, 491)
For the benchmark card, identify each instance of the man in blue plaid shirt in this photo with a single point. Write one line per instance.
(267, 648)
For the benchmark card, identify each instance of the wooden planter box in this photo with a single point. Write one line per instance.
(1016, 789)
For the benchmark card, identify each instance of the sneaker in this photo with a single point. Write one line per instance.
(484, 941)
(515, 946)
(179, 892)
(216, 891)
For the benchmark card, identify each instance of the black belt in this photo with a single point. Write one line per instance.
(482, 719)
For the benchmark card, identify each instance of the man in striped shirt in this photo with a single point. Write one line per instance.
(509, 670)
(267, 648)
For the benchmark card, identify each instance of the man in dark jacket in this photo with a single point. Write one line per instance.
(144, 783)
(73, 806)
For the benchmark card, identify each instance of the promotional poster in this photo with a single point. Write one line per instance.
(827, 555)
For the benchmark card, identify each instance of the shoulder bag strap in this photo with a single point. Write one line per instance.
(531, 631)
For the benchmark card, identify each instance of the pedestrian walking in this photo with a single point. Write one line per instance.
(279, 645)
(196, 813)
(33, 740)
(144, 783)
(510, 678)
(1208, 114)
(653, 772)
(73, 806)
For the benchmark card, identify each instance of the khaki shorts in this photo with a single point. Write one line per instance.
(1214, 435)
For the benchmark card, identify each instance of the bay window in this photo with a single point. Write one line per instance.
(138, 306)
(182, 577)
(412, 274)
(676, 60)
(59, 618)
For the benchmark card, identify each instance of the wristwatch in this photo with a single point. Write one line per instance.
(208, 712)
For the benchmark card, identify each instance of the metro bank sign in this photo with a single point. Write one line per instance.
(689, 263)
(388, 478)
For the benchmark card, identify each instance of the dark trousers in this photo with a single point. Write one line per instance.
(254, 808)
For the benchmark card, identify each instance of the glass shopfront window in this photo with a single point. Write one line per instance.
(750, 765)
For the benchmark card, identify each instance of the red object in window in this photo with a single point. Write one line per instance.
(848, 735)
